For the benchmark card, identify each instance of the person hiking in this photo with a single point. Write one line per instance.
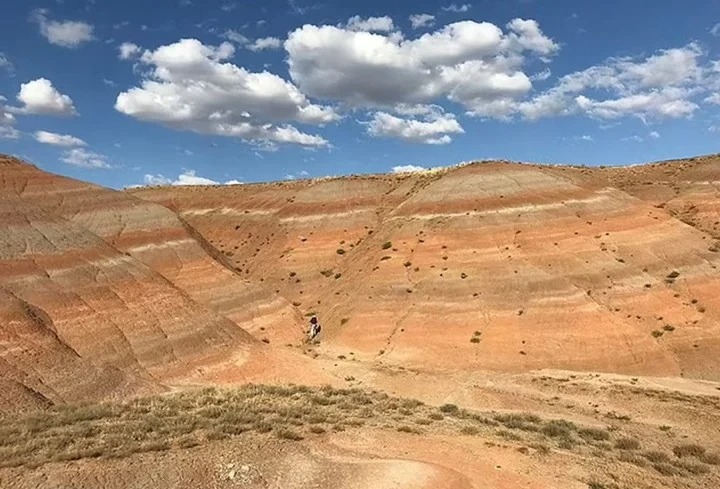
(314, 327)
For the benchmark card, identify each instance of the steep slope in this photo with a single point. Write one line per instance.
(103, 295)
(496, 266)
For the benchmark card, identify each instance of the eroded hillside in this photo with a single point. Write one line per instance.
(494, 325)
(499, 266)
(103, 295)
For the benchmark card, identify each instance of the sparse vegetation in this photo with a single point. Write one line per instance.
(656, 456)
(340, 251)
(689, 450)
(709, 458)
(596, 485)
(627, 444)
(387, 245)
(666, 469)
(288, 434)
(594, 434)
(449, 409)
(188, 419)
(559, 428)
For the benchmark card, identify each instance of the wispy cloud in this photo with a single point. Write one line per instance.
(85, 159)
(457, 8)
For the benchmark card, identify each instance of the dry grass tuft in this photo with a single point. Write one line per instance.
(627, 444)
(188, 419)
(689, 450)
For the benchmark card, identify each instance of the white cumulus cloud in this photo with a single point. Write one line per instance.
(9, 132)
(474, 64)
(660, 86)
(7, 120)
(41, 97)
(265, 43)
(713, 98)
(68, 34)
(408, 169)
(128, 50)
(55, 139)
(370, 24)
(84, 159)
(187, 177)
(433, 128)
(421, 20)
(191, 86)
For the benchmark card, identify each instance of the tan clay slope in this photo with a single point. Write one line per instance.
(103, 295)
(544, 267)
(687, 189)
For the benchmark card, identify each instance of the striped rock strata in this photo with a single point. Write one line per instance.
(498, 266)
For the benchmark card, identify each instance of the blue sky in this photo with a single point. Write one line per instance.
(180, 91)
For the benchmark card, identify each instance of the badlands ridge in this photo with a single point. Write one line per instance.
(488, 285)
